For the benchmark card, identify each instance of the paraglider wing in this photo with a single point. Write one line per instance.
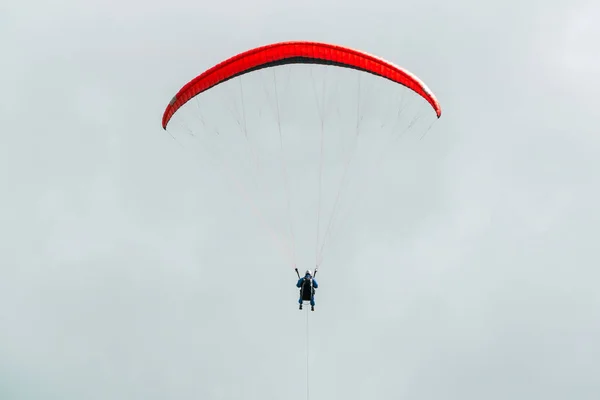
(297, 52)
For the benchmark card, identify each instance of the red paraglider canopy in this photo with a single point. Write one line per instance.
(297, 52)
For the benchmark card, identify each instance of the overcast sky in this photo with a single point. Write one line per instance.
(128, 271)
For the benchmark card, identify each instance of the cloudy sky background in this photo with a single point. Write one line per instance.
(123, 277)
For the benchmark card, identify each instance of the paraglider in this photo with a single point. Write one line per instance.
(307, 285)
(335, 58)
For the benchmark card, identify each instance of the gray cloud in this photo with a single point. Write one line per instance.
(132, 271)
